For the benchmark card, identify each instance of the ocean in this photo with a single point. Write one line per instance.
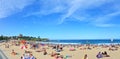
(84, 41)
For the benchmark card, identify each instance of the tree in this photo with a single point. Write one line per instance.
(21, 37)
(44, 39)
(38, 39)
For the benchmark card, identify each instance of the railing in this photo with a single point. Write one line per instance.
(3, 55)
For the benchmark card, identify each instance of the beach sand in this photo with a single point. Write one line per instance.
(77, 54)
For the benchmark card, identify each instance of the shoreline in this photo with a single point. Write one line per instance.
(99, 42)
(64, 43)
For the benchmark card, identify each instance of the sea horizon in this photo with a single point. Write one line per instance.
(84, 41)
(87, 39)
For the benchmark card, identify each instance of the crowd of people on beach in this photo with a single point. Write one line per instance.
(59, 48)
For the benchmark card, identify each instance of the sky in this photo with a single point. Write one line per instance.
(61, 19)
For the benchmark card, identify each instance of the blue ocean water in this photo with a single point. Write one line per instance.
(86, 41)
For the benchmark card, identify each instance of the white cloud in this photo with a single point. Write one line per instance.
(75, 9)
(81, 5)
(104, 25)
(107, 17)
(66, 7)
(48, 7)
(103, 21)
(8, 7)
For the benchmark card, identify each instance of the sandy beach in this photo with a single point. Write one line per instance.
(79, 52)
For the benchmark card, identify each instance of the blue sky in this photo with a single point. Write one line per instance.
(61, 19)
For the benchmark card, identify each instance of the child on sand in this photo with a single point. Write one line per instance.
(13, 52)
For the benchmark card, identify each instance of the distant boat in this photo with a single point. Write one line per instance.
(111, 39)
